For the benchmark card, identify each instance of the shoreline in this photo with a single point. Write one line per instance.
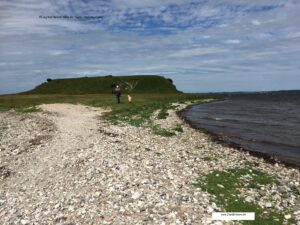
(219, 139)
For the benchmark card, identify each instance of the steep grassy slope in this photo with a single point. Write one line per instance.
(103, 85)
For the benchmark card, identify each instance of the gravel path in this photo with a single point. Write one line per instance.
(76, 168)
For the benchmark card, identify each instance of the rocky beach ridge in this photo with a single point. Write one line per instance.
(67, 165)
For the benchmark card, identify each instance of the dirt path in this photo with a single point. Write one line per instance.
(77, 129)
(40, 175)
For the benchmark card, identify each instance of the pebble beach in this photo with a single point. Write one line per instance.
(67, 165)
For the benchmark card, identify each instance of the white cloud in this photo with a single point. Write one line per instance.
(58, 52)
(146, 3)
(182, 41)
(256, 22)
(13, 53)
(294, 35)
(205, 11)
(19, 17)
(198, 51)
(232, 41)
(222, 25)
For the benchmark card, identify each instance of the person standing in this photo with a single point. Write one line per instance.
(117, 93)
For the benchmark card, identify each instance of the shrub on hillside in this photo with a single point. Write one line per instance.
(170, 80)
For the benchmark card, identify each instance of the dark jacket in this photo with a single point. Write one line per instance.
(117, 91)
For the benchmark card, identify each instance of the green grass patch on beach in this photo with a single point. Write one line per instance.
(140, 112)
(163, 114)
(162, 132)
(18, 101)
(4, 109)
(28, 110)
(225, 185)
(210, 158)
(178, 128)
(135, 114)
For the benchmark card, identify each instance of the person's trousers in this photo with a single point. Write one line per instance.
(118, 99)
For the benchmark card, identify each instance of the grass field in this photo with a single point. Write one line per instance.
(137, 113)
(8, 102)
(25, 101)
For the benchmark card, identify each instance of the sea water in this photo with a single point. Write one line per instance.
(259, 123)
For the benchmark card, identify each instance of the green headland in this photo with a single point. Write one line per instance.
(104, 85)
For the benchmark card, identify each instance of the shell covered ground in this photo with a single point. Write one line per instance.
(67, 165)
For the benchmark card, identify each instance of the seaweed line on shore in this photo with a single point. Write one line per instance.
(220, 139)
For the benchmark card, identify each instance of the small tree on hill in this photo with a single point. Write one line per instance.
(129, 86)
(170, 80)
(113, 86)
(49, 79)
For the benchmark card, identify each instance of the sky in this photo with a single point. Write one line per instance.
(203, 45)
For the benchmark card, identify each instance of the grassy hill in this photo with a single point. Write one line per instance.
(103, 85)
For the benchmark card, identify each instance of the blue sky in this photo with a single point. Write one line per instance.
(204, 46)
